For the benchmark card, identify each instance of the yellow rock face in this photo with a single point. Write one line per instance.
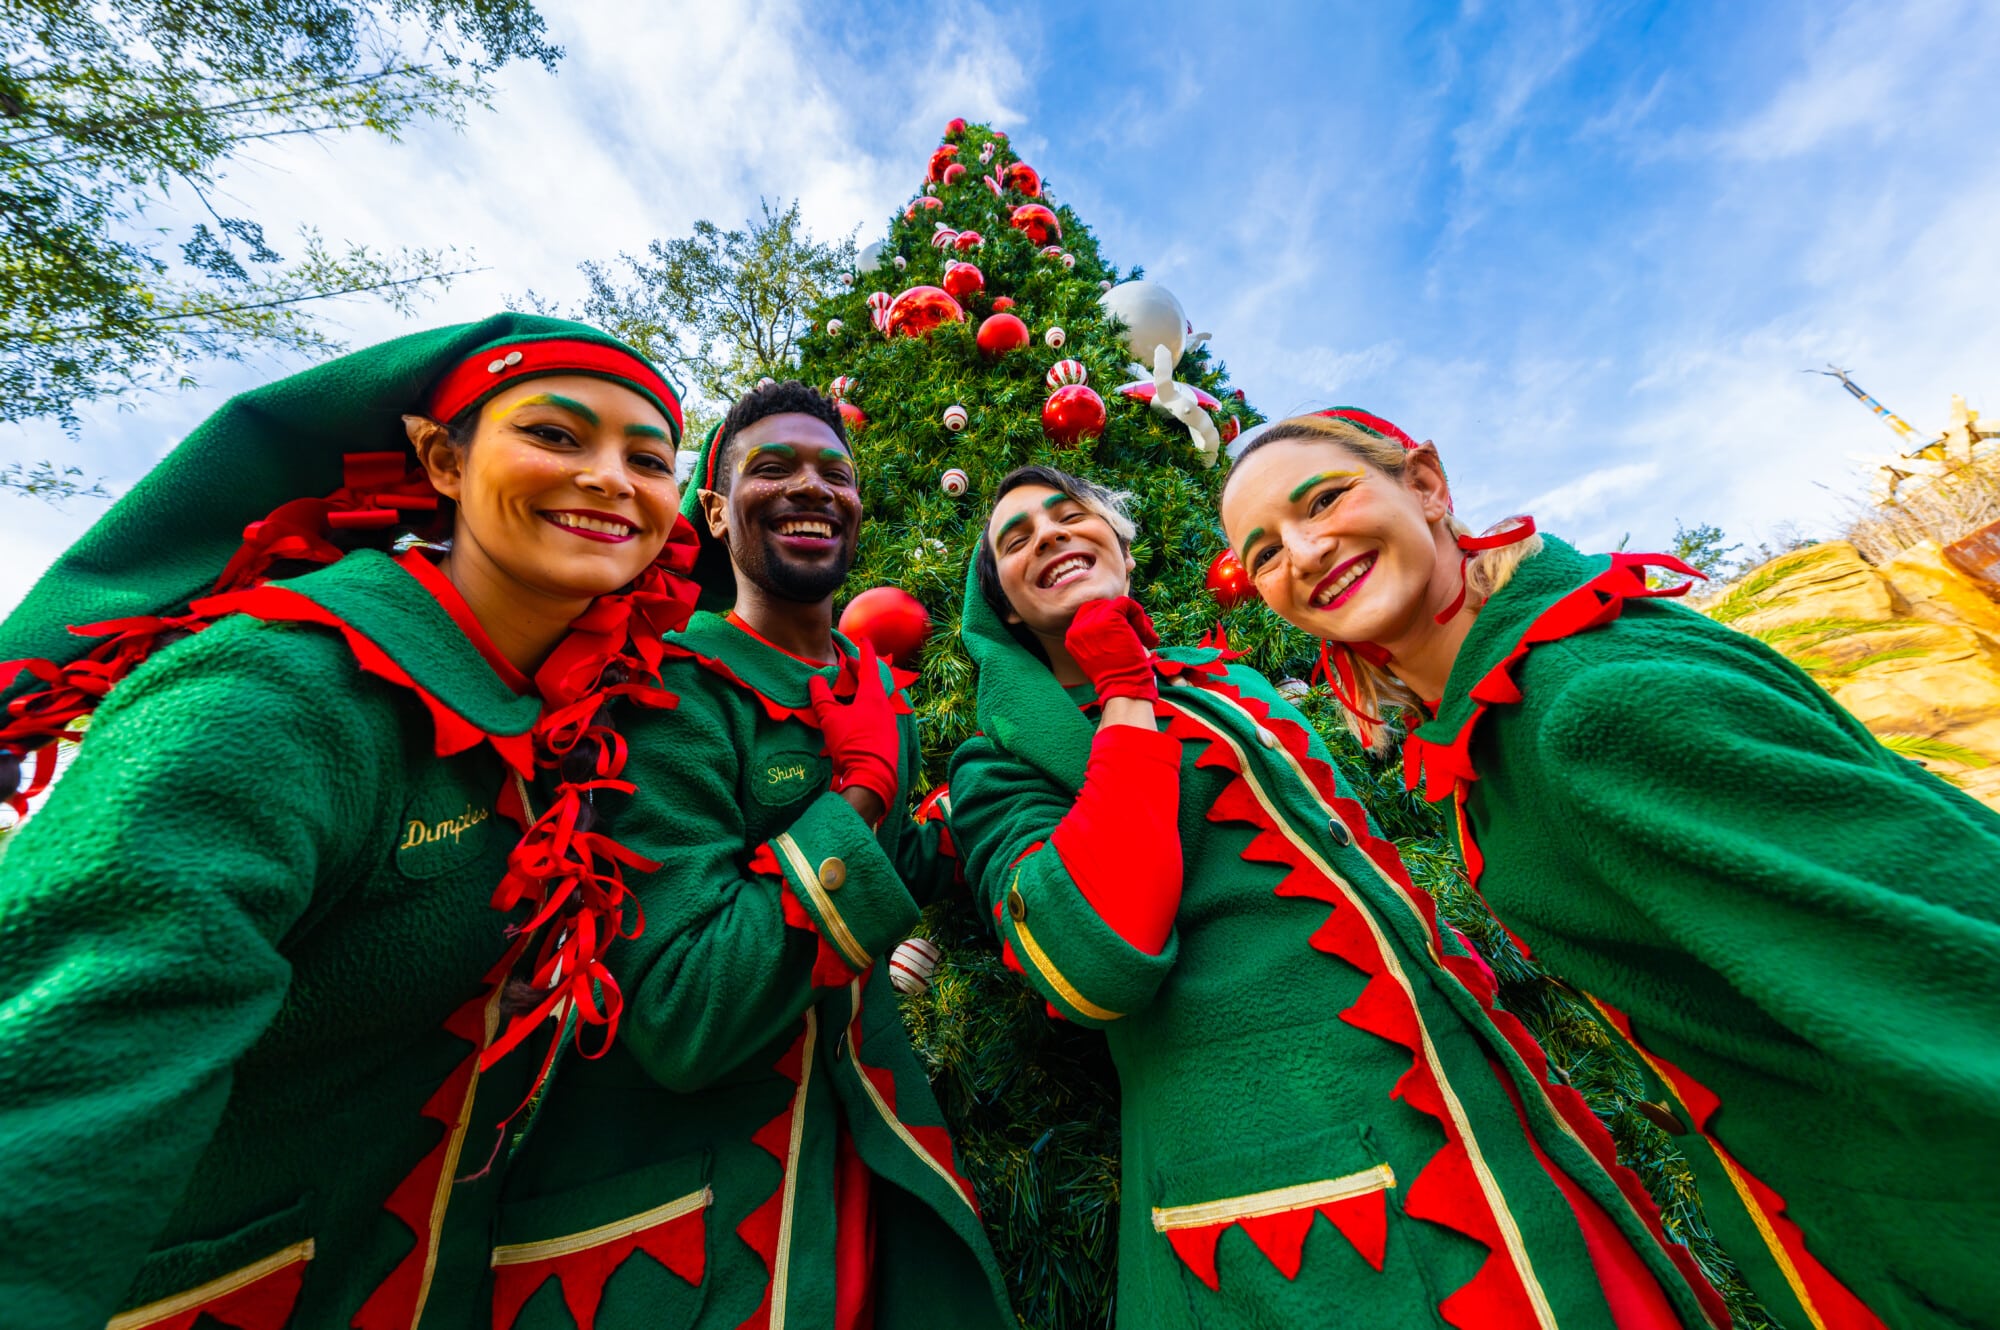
(1912, 649)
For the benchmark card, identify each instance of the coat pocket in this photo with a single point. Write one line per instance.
(249, 1277)
(631, 1249)
(1331, 1174)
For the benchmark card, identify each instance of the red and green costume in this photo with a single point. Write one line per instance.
(1305, 1043)
(260, 938)
(1798, 930)
(760, 1147)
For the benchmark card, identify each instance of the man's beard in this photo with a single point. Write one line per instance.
(802, 585)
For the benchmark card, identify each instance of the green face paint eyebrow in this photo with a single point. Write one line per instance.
(1007, 526)
(566, 403)
(1256, 534)
(1311, 481)
(646, 432)
(1056, 498)
(784, 450)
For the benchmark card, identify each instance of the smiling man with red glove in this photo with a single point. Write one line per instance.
(760, 1147)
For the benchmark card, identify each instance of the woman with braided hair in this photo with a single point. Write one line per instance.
(333, 846)
(1796, 930)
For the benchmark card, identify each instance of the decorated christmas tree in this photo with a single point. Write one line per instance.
(985, 332)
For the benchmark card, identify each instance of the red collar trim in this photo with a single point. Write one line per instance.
(440, 586)
(735, 621)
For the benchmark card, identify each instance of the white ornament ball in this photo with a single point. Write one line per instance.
(870, 257)
(1104, 285)
(833, 327)
(955, 417)
(912, 963)
(1065, 372)
(1069, 260)
(928, 551)
(900, 262)
(1293, 690)
(954, 482)
(1152, 317)
(1055, 337)
(767, 382)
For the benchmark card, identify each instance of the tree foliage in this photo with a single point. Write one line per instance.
(719, 309)
(1032, 1101)
(108, 111)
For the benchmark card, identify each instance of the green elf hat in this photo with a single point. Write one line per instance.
(713, 572)
(289, 472)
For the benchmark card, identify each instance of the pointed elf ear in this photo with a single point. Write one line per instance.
(440, 460)
(1423, 473)
(715, 510)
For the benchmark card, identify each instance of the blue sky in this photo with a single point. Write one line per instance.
(1588, 249)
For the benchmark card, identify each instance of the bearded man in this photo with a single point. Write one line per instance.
(759, 1146)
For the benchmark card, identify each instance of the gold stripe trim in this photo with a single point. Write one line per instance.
(829, 918)
(448, 1176)
(1274, 1202)
(521, 1253)
(1040, 960)
(781, 1264)
(1496, 1200)
(222, 1285)
(1736, 1180)
(881, 1106)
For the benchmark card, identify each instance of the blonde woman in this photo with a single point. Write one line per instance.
(1798, 930)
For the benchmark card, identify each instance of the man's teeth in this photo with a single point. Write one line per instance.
(1327, 597)
(592, 524)
(806, 526)
(1062, 568)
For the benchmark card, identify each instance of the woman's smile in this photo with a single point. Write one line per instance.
(591, 525)
(1339, 586)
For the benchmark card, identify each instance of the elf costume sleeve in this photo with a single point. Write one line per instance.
(740, 939)
(1082, 887)
(143, 912)
(1762, 833)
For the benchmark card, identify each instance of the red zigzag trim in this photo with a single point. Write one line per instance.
(760, 1227)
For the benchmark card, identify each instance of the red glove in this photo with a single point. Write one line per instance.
(860, 733)
(1111, 642)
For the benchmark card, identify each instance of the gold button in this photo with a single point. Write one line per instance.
(832, 874)
(1016, 906)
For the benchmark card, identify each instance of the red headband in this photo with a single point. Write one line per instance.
(486, 371)
(1372, 423)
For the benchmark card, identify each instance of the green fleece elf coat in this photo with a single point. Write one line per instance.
(1801, 928)
(247, 961)
(1305, 1044)
(760, 1146)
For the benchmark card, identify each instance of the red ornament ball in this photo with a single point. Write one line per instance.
(1002, 333)
(1002, 302)
(965, 240)
(1022, 177)
(954, 127)
(953, 173)
(1036, 222)
(895, 621)
(1073, 414)
(1231, 427)
(963, 280)
(918, 311)
(856, 418)
(1228, 582)
(940, 159)
(921, 201)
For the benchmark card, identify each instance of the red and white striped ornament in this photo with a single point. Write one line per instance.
(912, 964)
(878, 309)
(1055, 337)
(1065, 372)
(1052, 251)
(943, 237)
(954, 481)
(955, 417)
(839, 388)
(833, 327)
